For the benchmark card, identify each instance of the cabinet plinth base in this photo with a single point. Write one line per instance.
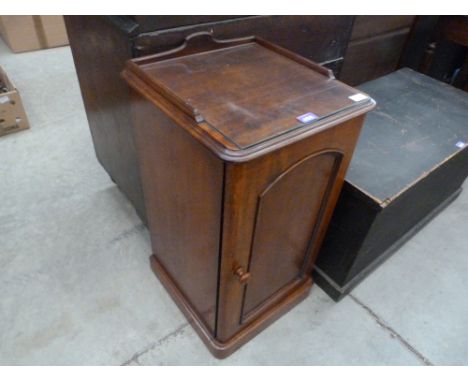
(224, 349)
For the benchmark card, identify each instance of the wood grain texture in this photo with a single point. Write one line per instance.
(182, 183)
(224, 349)
(150, 23)
(370, 26)
(374, 57)
(318, 38)
(99, 51)
(247, 117)
(241, 108)
(245, 183)
(375, 47)
(287, 212)
(101, 45)
(235, 231)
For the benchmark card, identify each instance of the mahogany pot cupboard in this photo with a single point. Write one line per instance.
(101, 45)
(243, 147)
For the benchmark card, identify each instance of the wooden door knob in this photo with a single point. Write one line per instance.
(241, 274)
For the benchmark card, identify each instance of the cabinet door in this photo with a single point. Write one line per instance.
(273, 211)
(287, 214)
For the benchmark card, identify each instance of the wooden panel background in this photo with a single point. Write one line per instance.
(375, 47)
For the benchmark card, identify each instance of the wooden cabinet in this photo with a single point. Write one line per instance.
(243, 148)
(101, 45)
(375, 47)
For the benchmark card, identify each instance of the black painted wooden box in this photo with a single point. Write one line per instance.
(410, 162)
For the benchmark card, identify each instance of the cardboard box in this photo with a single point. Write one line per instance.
(25, 33)
(12, 115)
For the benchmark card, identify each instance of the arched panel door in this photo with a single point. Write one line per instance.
(288, 212)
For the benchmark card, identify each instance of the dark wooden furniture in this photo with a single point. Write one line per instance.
(419, 47)
(450, 62)
(375, 47)
(101, 44)
(438, 47)
(411, 160)
(243, 148)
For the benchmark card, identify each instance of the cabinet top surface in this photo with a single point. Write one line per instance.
(418, 124)
(250, 93)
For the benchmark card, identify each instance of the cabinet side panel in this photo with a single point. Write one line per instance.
(381, 40)
(182, 186)
(99, 51)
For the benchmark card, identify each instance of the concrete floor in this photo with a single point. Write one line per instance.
(76, 287)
